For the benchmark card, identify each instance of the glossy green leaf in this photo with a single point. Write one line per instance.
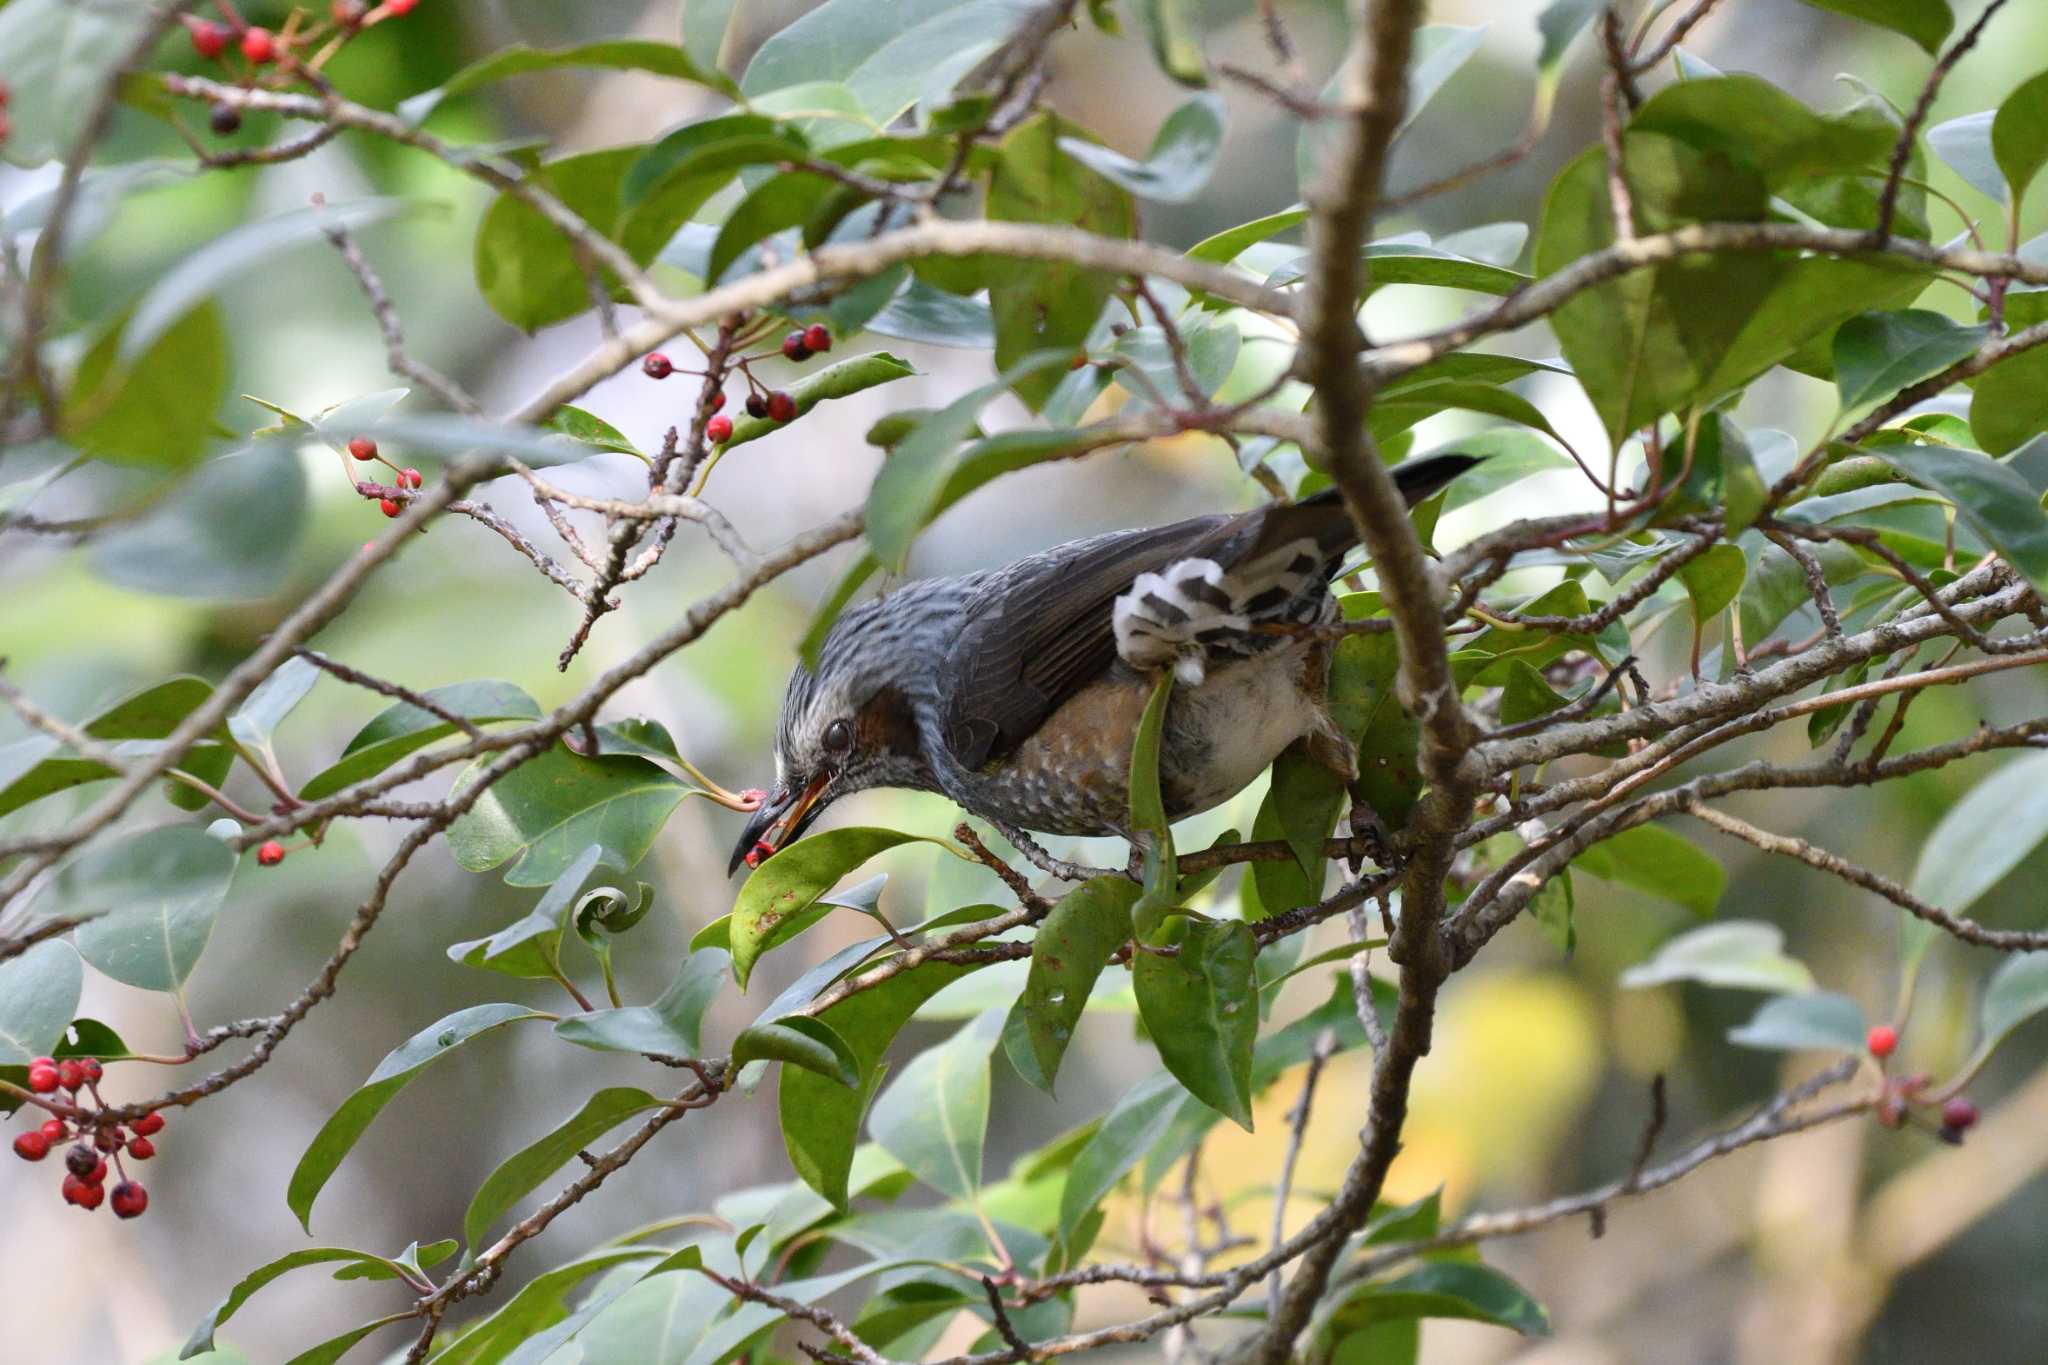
(2009, 402)
(670, 1027)
(1446, 1289)
(624, 54)
(1809, 1019)
(1201, 1008)
(2016, 992)
(1984, 836)
(55, 58)
(1182, 158)
(889, 56)
(522, 1173)
(201, 1339)
(1713, 580)
(334, 1348)
(855, 374)
(32, 767)
(1440, 50)
(531, 946)
(921, 312)
(2019, 135)
(155, 408)
(1992, 498)
(1741, 954)
(1878, 354)
(1926, 22)
(1223, 247)
(799, 1040)
(548, 810)
(153, 898)
(792, 881)
(1210, 345)
(706, 26)
(347, 1123)
(404, 729)
(1653, 859)
(185, 548)
(933, 1117)
(541, 1302)
(1068, 953)
(39, 992)
(254, 723)
(1965, 144)
(1777, 584)
(592, 430)
(1138, 1120)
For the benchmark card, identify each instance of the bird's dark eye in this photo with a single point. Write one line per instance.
(838, 737)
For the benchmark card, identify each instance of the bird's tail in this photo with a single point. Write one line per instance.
(1417, 479)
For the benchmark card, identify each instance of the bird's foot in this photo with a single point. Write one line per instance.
(1365, 825)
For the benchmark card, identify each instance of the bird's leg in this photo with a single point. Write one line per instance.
(1036, 855)
(1365, 824)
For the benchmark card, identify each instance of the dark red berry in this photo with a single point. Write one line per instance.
(717, 399)
(92, 1069)
(348, 13)
(259, 45)
(209, 39)
(781, 407)
(817, 338)
(793, 347)
(98, 1175)
(757, 406)
(149, 1125)
(81, 1160)
(398, 9)
(719, 429)
(142, 1149)
(83, 1193)
(32, 1145)
(657, 366)
(390, 507)
(225, 120)
(42, 1077)
(130, 1199)
(69, 1074)
(55, 1130)
(1959, 1114)
(1882, 1040)
(271, 853)
(109, 1139)
(363, 448)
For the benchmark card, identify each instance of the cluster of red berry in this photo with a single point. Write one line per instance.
(261, 48)
(365, 449)
(1958, 1114)
(85, 1165)
(777, 405)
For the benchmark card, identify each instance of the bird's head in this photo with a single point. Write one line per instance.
(844, 728)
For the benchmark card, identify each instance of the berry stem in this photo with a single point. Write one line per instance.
(215, 795)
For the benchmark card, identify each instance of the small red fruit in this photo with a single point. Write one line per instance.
(781, 407)
(109, 1139)
(92, 1069)
(757, 406)
(717, 400)
(411, 476)
(793, 348)
(398, 9)
(83, 1193)
(719, 430)
(32, 1145)
(81, 1160)
(209, 39)
(130, 1199)
(42, 1075)
(142, 1149)
(1959, 1114)
(149, 1125)
(259, 45)
(817, 338)
(363, 448)
(1882, 1040)
(348, 13)
(271, 853)
(55, 1130)
(390, 507)
(657, 366)
(69, 1074)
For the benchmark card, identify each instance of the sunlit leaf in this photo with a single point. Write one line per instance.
(1742, 954)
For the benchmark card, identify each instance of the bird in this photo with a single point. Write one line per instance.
(1017, 691)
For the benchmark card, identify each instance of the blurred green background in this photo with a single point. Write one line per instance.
(1847, 1244)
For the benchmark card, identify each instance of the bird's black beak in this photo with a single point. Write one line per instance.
(778, 822)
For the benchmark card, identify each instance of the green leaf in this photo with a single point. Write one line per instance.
(154, 409)
(1810, 1019)
(706, 25)
(1439, 51)
(1926, 22)
(1446, 1289)
(1068, 953)
(923, 313)
(1174, 43)
(2017, 992)
(855, 374)
(404, 729)
(334, 1348)
(1653, 859)
(522, 1173)
(670, 1027)
(592, 430)
(39, 993)
(1139, 1119)
(1741, 954)
(625, 54)
(933, 1116)
(1182, 158)
(153, 898)
(1048, 305)
(347, 1123)
(2019, 136)
(254, 723)
(1992, 498)
(1984, 836)
(549, 809)
(186, 548)
(1965, 144)
(201, 1339)
(1226, 246)
(791, 882)
(1201, 1008)
(801, 1041)
(890, 56)
(55, 58)
(531, 946)
(1713, 580)
(2009, 404)
(1878, 354)
(820, 1117)
(30, 769)
(541, 1302)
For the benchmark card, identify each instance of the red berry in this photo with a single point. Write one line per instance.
(1958, 1114)
(719, 429)
(149, 1124)
(781, 407)
(411, 476)
(348, 13)
(363, 448)
(209, 39)
(793, 347)
(42, 1077)
(81, 1160)
(55, 1130)
(1882, 1040)
(69, 1074)
(259, 45)
(32, 1145)
(390, 507)
(92, 1069)
(109, 1139)
(657, 366)
(83, 1193)
(757, 406)
(817, 339)
(98, 1174)
(142, 1149)
(130, 1199)
(271, 853)
(5, 94)
(398, 9)
(717, 399)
